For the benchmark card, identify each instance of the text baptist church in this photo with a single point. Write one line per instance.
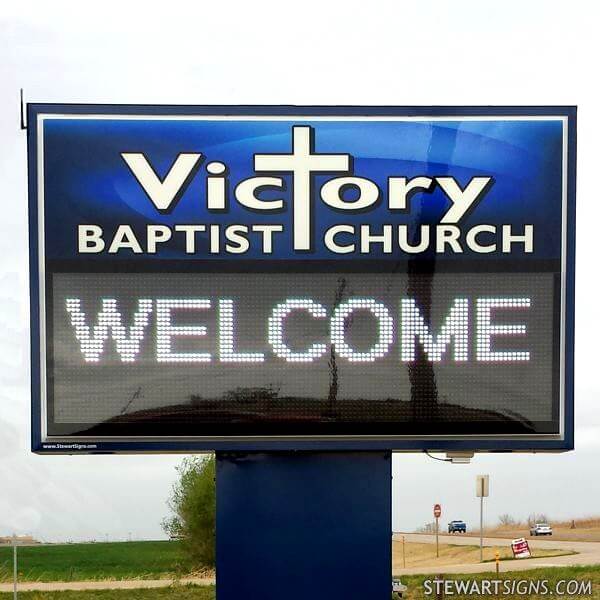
(266, 193)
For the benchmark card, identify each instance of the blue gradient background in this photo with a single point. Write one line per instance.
(86, 180)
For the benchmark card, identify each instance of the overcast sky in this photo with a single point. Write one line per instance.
(425, 52)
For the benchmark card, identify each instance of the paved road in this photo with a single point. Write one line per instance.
(588, 554)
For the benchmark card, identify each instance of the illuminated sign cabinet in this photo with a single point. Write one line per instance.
(264, 278)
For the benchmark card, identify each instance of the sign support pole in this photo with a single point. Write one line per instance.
(304, 525)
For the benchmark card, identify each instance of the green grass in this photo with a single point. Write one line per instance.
(176, 592)
(79, 562)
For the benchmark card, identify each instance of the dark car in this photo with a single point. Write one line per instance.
(457, 527)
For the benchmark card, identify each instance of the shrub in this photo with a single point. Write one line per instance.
(507, 520)
(193, 502)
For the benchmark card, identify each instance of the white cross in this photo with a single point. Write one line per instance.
(302, 163)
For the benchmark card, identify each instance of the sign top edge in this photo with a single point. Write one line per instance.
(35, 108)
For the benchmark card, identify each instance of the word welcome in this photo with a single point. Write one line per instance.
(405, 326)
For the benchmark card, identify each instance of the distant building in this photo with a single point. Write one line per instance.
(19, 539)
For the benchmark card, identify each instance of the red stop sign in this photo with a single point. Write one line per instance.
(437, 511)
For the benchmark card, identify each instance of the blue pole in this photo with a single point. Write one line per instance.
(304, 526)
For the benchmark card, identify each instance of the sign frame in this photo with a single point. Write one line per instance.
(539, 442)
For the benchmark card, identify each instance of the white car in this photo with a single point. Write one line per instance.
(541, 529)
(398, 587)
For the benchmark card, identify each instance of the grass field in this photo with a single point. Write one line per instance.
(415, 587)
(157, 560)
(79, 562)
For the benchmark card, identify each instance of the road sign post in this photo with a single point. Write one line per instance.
(482, 490)
(437, 513)
(481, 529)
